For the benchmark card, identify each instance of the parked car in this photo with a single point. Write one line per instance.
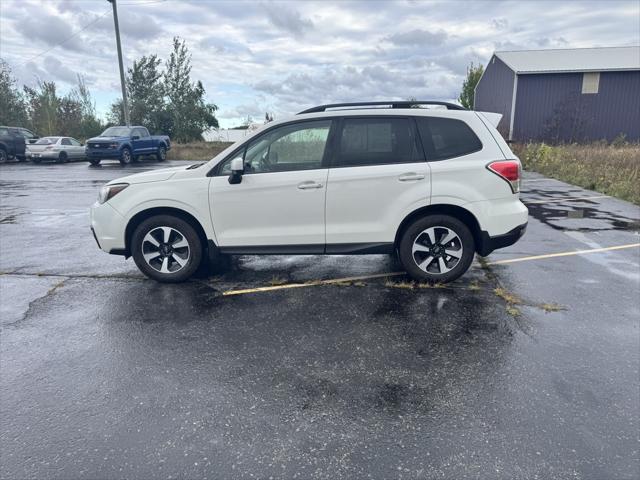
(434, 185)
(13, 141)
(58, 149)
(127, 144)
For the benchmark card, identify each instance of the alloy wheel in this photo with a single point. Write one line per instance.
(437, 250)
(165, 249)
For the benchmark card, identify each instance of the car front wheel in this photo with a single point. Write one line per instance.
(126, 157)
(436, 249)
(166, 248)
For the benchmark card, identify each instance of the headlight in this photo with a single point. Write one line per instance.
(109, 191)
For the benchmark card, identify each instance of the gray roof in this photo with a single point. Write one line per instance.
(572, 60)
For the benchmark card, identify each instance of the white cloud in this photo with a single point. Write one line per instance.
(281, 57)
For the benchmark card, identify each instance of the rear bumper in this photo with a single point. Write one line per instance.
(43, 155)
(489, 244)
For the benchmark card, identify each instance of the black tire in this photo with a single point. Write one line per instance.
(176, 272)
(4, 158)
(94, 161)
(63, 158)
(161, 154)
(125, 156)
(442, 225)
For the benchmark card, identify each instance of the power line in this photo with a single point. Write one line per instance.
(66, 39)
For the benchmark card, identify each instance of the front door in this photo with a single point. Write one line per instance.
(279, 204)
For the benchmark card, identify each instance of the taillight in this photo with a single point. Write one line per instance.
(509, 171)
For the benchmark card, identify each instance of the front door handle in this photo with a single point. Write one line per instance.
(309, 185)
(410, 177)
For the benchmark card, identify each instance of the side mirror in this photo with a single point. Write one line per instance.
(135, 137)
(237, 169)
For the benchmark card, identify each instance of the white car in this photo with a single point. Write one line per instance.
(58, 149)
(434, 185)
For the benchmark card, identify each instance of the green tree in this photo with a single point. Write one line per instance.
(73, 114)
(12, 106)
(166, 101)
(145, 89)
(186, 100)
(43, 104)
(90, 124)
(469, 85)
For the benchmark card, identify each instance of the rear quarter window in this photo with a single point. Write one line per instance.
(444, 138)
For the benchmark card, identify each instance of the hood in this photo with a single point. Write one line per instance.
(150, 176)
(106, 139)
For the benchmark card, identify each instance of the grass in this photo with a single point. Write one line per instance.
(552, 307)
(196, 151)
(508, 297)
(610, 169)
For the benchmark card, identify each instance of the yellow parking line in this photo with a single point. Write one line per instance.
(565, 199)
(563, 254)
(315, 283)
(312, 283)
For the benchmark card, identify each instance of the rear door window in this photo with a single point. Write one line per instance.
(376, 141)
(444, 138)
(65, 141)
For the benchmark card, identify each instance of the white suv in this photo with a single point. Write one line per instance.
(433, 185)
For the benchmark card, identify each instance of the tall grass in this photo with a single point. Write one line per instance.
(610, 169)
(202, 151)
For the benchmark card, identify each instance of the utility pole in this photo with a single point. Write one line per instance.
(125, 104)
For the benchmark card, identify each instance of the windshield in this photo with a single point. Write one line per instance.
(47, 140)
(116, 132)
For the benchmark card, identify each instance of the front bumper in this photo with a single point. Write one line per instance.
(489, 244)
(108, 227)
(102, 153)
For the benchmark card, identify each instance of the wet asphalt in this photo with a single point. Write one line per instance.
(518, 371)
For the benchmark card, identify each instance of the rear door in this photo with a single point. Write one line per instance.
(378, 175)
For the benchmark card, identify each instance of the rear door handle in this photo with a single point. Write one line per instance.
(410, 177)
(309, 185)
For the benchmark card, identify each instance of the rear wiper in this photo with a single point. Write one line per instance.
(195, 165)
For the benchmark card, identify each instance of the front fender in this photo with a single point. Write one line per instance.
(190, 195)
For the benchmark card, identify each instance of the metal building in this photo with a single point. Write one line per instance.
(568, 95)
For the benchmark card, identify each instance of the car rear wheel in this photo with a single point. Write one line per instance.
(166, 248)
(63, 158)
(3, 156)
(126, 157)
(436, 249)
(161, 155)
(94, 161)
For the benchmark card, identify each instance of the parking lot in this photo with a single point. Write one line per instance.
(317, 367)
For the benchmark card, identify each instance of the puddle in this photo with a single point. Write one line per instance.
(593, 217)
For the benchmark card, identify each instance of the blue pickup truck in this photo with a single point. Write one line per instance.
(126, 144)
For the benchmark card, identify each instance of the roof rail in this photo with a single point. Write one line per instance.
(391, 104)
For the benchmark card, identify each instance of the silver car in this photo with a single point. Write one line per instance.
(59, 149)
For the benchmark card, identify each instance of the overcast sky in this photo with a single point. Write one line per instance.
(282, 57)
